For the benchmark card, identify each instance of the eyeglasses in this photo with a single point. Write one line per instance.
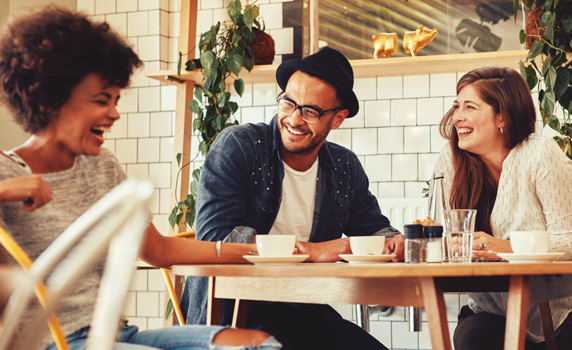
(309, 114)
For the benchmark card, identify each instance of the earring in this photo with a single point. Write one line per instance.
(501, 130)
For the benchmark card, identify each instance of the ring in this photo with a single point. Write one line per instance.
(483, 246)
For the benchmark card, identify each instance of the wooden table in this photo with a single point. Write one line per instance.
(391, 284)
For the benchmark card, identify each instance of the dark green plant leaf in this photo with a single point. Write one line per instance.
(169, 309)
(233, 107)
(247, 35)
(199, 93)
(553, 122)
(190, 217)
(179, 63)
(548, 22)
(194, 106)
(239, 86)
(218, 122)
(203, 148)
(179, 156)
(173, 217)
(547, 103)
(207, 59)
(562, 81)
(248, 63)
(546, 64)
(234, 64)
(535, 50)
(234, 8)
(248, 17)
(522, 36)
(224, 97)
(197, 174)
(190, 65)
(194, 188)
(197, 124)
(550, 78)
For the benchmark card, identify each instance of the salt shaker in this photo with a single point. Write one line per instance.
(437, 207)
(434, 243)
(413, 243)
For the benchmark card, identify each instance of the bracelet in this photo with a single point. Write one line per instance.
(218, 247)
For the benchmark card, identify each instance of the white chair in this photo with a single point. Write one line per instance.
(115, 223)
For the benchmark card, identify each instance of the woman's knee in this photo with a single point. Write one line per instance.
(237, 337)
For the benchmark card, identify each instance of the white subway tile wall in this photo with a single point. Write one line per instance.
(395, 134)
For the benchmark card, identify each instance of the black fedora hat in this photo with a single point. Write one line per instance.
(329, 65)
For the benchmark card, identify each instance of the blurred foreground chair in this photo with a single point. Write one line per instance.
(116, 224)
(174, 290)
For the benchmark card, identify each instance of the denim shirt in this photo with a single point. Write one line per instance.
(240, 192)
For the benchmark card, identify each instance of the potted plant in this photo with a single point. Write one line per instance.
(548, 36)
(224, 50)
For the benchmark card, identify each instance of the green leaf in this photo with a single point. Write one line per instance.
(224, 97)
(550, 78)
(545, 65)
(234, 64)
(207, 59)
(199, 93)
(197, 173)
(248, 63)
(248, 17)
(554, 123)
(547, 103)
(197, 124)
(535, 50)
(239, 86)
(179, 63)
(195, 107)
(234, 8)
(203, 148)
(548, 22)
(218, 123)
(169, 309)
(194, 188)
(179, 156)
(248, 35)
(522, 36)
(190, 65)
(173, 217)
(562, 81)
(233, 107)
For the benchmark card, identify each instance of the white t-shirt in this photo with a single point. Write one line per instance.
(534, 194)
(296, 213)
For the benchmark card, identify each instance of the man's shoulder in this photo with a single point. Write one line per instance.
(337, 151)
(247, 131)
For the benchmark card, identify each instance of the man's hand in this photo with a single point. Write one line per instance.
(32, 190)
(395, 245)
(328, 251)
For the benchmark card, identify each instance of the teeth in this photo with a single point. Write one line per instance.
(101, 128)
(295, 132)
(464, 130)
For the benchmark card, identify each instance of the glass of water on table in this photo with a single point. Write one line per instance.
(460, 226)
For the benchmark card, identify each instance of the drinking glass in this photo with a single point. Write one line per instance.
(460, 226)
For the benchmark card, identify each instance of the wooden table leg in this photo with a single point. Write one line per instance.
(434, 305)
(516, 313)
(214, 305)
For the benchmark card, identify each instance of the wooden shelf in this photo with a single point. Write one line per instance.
(383, 67)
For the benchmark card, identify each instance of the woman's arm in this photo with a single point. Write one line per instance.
(164, 251)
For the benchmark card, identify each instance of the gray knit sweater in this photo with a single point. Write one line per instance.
(74, 191)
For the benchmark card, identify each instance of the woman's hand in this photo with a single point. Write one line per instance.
(486, 246)
(395, 245)
(328, 251)
(32, 190)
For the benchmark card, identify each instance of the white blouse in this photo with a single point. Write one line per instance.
(534, 194)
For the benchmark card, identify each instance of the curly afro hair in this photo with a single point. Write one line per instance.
(44, 55)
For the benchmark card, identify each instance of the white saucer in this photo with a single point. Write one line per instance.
(366, 259)
(275, 260)
(528, 258)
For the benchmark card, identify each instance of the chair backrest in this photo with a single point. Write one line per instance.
(402, 211)
(117, 221)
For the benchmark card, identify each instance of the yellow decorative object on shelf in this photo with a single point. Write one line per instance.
(385, 44)
(414, 41)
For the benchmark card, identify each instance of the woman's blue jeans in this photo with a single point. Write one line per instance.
(192, 337)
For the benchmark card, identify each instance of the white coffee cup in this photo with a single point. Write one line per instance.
(367, 245)
(275, 245)
(529, 242)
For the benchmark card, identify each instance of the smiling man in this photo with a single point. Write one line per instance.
(285, 178)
